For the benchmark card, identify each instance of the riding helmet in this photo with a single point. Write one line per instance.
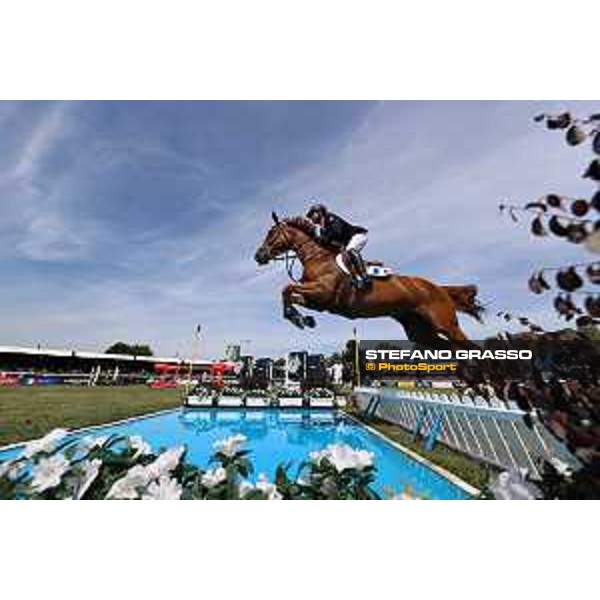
(316, 209)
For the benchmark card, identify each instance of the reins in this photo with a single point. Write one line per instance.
(290, 261)
(290, 257)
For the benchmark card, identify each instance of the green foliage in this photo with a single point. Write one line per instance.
(130, 349)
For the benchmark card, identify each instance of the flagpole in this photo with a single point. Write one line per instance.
(356, 361)
(195, 352)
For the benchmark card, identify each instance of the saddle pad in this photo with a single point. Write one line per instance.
(377, 271)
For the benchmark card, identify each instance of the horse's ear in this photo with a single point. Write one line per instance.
(275, 217)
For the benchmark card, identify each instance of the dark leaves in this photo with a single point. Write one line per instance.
(593, 170)
(537, 283)
(561, 121)
(592, 306)
(576, 233)
(596, 143)
(565, 306)
(536, 206)
(569, 280)
(537, 227)
(593, 273)
(584, 321)
(575, 135)
(554, 200)
(579, 208)
(558, 227)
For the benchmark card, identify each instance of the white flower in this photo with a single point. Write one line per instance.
(91, 468)
(317, 456)
(342, 457)
(267, 488)
(126, 488)
(263, 485)
(139, 476)
(512, 485)
(166, 462)
(245, 488)
(561, 467)
(45, 444)
(163, 489)
(89, 443)
(48, 472)
(230, 445)
(137, 443)
(214, 477)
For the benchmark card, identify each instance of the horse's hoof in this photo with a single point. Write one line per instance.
(310, 321)
(298, 322)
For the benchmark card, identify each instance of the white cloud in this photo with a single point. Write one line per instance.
(37, 220)
(40, 142)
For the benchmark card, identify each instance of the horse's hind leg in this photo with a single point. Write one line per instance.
(420, 331)
(444, 320)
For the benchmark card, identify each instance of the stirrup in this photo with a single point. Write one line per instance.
(362, 283)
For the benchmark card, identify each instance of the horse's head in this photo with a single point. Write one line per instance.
(279, 239)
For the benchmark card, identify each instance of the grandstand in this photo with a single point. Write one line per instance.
(50, 365)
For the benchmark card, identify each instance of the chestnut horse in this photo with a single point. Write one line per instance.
(426, 311)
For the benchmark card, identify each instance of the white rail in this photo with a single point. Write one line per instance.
(490, 430)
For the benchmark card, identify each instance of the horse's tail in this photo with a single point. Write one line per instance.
(465, 300)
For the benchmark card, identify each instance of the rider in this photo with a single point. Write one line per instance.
(334, 231)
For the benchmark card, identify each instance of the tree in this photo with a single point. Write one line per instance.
(568, 406)
(574, 220)
(130, 349)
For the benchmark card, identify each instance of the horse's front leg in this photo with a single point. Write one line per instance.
(290, 312)
(297, 294)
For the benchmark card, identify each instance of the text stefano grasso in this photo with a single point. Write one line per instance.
(499, 354)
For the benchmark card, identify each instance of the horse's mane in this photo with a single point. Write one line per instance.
(302, 223)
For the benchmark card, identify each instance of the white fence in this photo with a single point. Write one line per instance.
(492, 431)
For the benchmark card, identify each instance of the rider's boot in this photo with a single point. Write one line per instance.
(361, 278)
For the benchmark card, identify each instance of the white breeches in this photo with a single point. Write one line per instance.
(357, 242)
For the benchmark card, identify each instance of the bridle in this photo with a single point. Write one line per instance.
(289, 257)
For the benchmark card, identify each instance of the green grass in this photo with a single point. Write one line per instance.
(30, 412)
(468, 469)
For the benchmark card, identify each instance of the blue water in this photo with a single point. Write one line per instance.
(280, 436)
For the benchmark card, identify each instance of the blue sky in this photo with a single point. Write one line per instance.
(136, 220)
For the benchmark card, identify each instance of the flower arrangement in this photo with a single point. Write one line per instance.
(203, 391)
(125, 468)
(258, 393)
(321, 393)
(232, 391)
(288, 393)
